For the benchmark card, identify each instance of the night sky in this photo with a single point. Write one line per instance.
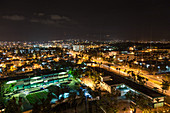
(29, 20)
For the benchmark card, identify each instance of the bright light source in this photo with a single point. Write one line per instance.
(167, 67)
(26, 92)
(121, 60)
(9, 82)
(147, 65)
(3, 110)
(35, 77)
(66, 95)
(36, 81)
(61, 73)
(135, 62)
(87, 94)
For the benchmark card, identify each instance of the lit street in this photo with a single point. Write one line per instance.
(152, 81)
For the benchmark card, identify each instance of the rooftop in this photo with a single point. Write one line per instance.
(112, 82)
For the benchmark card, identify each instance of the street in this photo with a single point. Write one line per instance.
(152, 81)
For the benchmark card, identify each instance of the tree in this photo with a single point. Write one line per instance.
(147, 81)
(44, 106)
(73, 101)
(140, 79)
(77, 73)
(140, 101)
(118, 69)
(109, 103)
(89, 58)
(9, 88)
(95, 77)
(134, 76)
(36, 108)
(109, 66)
(13, 107)
(2, 92)
(128, 73)
(165, 85)
(54, 90)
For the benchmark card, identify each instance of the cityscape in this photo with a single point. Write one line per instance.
(84, 57)
(84, 75)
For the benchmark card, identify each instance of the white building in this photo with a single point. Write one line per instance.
(78, 47)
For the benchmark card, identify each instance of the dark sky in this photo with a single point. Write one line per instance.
(84, 19)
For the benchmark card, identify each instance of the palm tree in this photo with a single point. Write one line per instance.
(128, 73)
(146, 81)
(165, 85)
(109, 66)
(140, 79)
(118, 69)
(134, 76)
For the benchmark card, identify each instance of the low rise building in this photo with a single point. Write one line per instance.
(78, 47)
(112, 82)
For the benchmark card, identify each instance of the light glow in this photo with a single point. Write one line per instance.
(9, 82)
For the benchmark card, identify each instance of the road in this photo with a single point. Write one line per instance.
(152, 81)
